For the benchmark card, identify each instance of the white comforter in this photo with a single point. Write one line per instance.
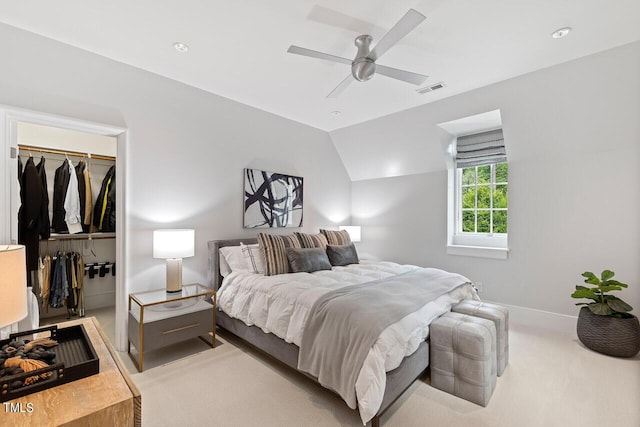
(280, 305)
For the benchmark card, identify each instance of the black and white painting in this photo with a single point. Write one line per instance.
(272, 199)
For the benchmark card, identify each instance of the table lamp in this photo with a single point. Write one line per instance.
(173, 245)
(13, 284)
(353, 230)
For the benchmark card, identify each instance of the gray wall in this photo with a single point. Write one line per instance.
(573, 141)
(187, 147)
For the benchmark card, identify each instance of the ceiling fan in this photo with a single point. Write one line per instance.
(364, 66)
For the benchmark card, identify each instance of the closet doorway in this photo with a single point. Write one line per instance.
(95, 247)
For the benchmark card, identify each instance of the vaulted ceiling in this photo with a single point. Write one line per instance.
(238, 49)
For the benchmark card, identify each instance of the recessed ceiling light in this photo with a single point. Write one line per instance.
(181, 47)
(558, 34)
(336, 113)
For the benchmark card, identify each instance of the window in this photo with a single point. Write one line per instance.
(479, 196)
(483, 199)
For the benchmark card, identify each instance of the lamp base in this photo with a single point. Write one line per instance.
(174, 275)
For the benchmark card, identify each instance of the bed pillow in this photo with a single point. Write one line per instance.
(312, 240)
(340, 255)
(234, 259)
(274, 249)
(307, 260)
(253, 258)
(224, 265)
(336, 237)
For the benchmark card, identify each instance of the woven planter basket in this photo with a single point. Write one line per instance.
(608, 335)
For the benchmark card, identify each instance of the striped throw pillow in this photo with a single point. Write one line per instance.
(336, 238)
(312, 240)
(274, 249)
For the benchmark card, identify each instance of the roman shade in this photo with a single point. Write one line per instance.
(480, 149)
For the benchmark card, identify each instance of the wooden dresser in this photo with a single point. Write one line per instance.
(108, 398)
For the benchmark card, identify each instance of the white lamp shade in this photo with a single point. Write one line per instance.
(173, 243)
(13, 284)
(353, 230)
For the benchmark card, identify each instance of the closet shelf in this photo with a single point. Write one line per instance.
(80, 236)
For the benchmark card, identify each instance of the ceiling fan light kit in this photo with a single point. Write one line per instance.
(364, 66)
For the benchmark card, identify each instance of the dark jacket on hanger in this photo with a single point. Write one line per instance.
(104, 210)
(109, 220)
(30, 213)
(45, 224)
(19, 169)
(81, 192)
(60, 185)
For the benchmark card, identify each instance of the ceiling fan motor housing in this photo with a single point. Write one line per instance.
(363, 67)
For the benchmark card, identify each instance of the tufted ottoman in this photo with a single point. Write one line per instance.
(500, 317)
(463, 356)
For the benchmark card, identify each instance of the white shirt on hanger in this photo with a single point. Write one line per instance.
(72, 203)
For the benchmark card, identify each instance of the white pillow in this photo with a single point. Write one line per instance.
(224, 265)
(234, 259)
(254, 258)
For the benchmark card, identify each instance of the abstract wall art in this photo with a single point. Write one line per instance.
(272, 199)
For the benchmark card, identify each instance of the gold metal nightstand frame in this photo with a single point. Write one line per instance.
(204, 292)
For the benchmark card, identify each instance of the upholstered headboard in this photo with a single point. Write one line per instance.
(214, 278)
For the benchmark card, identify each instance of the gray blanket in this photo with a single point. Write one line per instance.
(344, 324)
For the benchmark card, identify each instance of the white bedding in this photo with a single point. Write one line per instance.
(280, 305)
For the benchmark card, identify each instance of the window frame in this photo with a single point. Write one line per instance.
(476, 244)
(460, 185)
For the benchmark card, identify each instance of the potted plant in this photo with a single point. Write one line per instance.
(605, 325)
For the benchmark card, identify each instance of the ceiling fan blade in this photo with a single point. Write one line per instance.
(404, 26)
(405, 76)
(341, 87)
(315, 54)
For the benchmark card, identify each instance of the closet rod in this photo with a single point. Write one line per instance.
(65, 153)
(81, 236)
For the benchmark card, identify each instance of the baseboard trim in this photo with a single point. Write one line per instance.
(547, 320)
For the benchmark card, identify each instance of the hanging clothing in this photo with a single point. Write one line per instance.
(29, 214)
(88, 209)
(45, 223)
(80, 167)
(80, 283)
(20, 167)
(40, 273)
(104, 213)
(59, 282)
(60, 185)
(72, 203)
(71, 301)
(46, 282)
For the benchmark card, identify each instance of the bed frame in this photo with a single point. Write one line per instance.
(398, 380)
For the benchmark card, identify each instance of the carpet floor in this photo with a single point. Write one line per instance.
(551, 380)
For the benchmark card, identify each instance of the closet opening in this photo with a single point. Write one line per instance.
(67, 207)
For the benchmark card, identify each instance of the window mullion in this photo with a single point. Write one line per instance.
(492, 185)
(475, 203)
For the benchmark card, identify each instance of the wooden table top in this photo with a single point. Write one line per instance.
(107, 398)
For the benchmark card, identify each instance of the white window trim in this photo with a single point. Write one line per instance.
(494, 246)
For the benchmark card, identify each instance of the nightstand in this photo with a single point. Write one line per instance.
(158, 318)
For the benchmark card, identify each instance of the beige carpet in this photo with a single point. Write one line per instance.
(552, 380)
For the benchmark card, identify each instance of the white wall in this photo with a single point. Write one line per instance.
(573, 141)
(187, 147)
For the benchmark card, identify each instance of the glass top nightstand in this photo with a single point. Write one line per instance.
(161, 296)
(158, 318)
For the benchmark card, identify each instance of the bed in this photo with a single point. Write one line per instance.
(283, 342)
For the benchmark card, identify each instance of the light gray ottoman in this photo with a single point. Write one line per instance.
(500, 317)
(463, 356)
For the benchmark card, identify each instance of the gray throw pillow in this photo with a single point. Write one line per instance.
(342, 254)
(307, 260)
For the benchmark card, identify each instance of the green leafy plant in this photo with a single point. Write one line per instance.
(603, 304)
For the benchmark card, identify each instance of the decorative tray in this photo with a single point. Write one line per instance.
(75, 358)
